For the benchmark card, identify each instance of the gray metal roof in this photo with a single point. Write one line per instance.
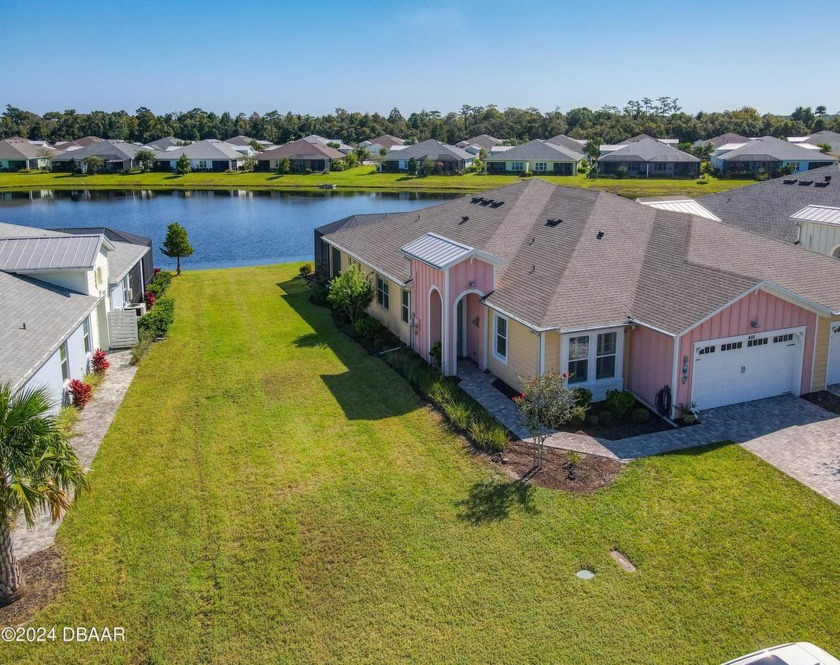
(537, 150)
(208, 149)
(20, 231)
(300, 149)
(437, 251)
(50, 313)
(601, 260)
(24, 255)
(771, 149)
(678, 204)
(648, 150)
(818, 214)
(17, 148)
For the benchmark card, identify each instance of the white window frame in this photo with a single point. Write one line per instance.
(795, 165)
(405, 306)
(517, 166)
(383, 292)
(614, 355)
(503, 358)
(595, 384)
(201, 164)
(126, 291)
(86, 335)
(64, 362)
(540, 167)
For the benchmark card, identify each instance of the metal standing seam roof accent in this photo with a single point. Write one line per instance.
(437, 251)
(678, 204)
(38, 253)
(819, 214)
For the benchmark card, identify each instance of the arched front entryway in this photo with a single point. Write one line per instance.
(469, 324)
(435, 320)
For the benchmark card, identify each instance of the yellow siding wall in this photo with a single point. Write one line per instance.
(388, 317)
(523, 350)
(552, 351)
(818, 375)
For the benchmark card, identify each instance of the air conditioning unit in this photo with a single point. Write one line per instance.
(139, 308)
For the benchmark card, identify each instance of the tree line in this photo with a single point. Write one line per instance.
(660, 118)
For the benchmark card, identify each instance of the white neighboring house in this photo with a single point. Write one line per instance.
(818, 229)
(58, 294)
(207, 155)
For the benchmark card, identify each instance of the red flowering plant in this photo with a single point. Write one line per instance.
(99, 361)
(545, 404)
(149, 297)
(80, 393)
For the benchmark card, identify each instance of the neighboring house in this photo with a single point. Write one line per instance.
(448, 158)
(343, 148)
(76, 143)
(819, 229)
(303, 156)
(723, 139)
(478, 143)
(767, 207)
(568, 142)
(328, 259)
(649, 158)
(117, 156)
(532, 277)
(643, 137)
(678, 204)
(17, 154)
(244, 143)
(386, 141)
(769, 155)
(63, 295)
(825, 138)
(166, 143)
(206, 155)
(539, 157)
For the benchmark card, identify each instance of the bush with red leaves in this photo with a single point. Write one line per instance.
(150, 299)
(99, 361)
(80, 392)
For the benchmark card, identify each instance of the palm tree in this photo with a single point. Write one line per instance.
(39, 471)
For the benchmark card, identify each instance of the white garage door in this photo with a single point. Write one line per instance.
(740, 369)
(834, 355)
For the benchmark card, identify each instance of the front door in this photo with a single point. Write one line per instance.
(462, 341)
(834, 355)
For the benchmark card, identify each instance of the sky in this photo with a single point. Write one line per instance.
(372, 55)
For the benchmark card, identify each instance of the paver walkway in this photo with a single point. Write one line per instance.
(797, 437)
(93, 423)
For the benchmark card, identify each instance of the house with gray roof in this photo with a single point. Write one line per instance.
(166, 143)
(568, 142)
(335, 144)
(532, 277)
(724, 139)
(117, 156)
(649, 158)
(537, 156)
(303, 155)
(768, 155)
(17, 154)
(63, 295)
(206, 155)
(445, 158)
(386, 141)
(478, 143)
(831, 139)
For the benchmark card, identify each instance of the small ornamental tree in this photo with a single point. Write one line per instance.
(546, 402)
(592, 149)
(351, 293)
(93, 164)
(145, 159)
(284, 165)
(177, 244)
(182, 166)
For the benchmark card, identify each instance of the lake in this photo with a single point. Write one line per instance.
(227, 228)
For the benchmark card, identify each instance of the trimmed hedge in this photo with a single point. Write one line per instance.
(157, 322)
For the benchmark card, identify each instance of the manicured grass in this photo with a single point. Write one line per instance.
(270, 493)
(362, 178)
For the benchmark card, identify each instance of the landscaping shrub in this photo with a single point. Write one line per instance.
(160, 283)
(99, 361)
(157, 322)
(583, 397)
(367, 327)
(139, 350)
(66, 421)
(320, 291)
(592, 420)
(441, 391)
(488, 434)
(458, 414)
(305, 270)
(640, 415)
(150, 299)
(606, 418)
(620, 402)
(80, 393)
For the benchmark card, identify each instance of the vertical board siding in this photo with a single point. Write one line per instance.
(650, 363)
(771, 312)
(819, 377)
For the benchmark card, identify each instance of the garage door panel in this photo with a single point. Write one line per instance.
(746, 368)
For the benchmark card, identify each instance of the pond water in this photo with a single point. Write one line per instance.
(227, 228)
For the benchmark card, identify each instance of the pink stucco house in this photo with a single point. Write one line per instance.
(533, 277)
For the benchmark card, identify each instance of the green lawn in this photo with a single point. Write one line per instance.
(270, 493)
(361, 178)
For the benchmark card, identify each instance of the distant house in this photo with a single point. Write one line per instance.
(649, 158)
(63, 296)
(117, 156)
(302, 154)
(448, 158)
(539, 157)
(825, 138)
(166, 142)
(819, 229)
(242, 141)
(206, 155)
(17, 154)
(76, 143)
(770, 155)
(343, 148)
(374, 146)
(723, 139)
(478, 143)
(568, 142)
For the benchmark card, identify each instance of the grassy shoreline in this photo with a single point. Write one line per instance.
(359, 179)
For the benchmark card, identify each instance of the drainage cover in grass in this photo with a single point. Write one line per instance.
(585, 574)
(622, 561)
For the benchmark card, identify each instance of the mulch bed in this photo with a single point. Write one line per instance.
(590, 473)
(44, 573)
(828, 401)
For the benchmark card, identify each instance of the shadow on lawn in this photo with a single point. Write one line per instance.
(360, 391)
(492, 500)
